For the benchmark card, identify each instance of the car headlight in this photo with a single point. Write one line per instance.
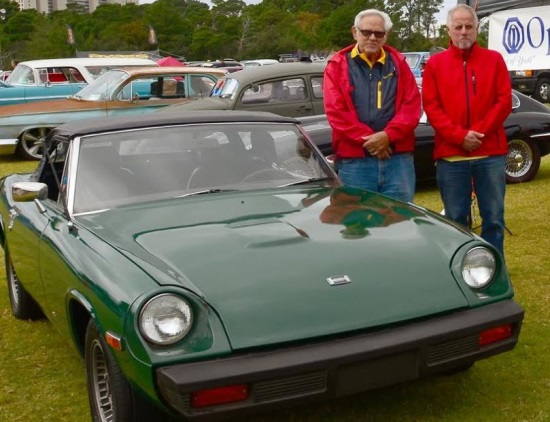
(478, 267)
(165, 319)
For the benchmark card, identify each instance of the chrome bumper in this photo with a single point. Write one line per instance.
(8, 146)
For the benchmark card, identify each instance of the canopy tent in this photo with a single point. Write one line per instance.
(486, 7)
(169, 61)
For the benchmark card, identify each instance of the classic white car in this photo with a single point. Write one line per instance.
(39, 80)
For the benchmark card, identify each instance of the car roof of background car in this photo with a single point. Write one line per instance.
(167, 70)
(261, 62)
(94, 126)
(88, 61)
(254, 73)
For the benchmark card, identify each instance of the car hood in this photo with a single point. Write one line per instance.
(263, 260)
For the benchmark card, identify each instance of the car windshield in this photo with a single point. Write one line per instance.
(21, 75)
(225, 88)
(128, 167)
(412, 59)
(103, 86)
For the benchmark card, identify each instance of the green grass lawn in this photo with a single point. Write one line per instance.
(42, 377)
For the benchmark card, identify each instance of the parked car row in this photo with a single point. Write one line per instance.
(210, 263)
(139, 90)
(288, 89)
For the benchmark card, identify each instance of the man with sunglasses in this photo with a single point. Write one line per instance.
(467, 96)
(372, 103)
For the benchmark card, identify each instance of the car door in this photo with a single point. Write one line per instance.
(316, 94)
(284, 96)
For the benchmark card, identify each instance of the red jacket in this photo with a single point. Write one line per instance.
(462, 93)
(347, 130)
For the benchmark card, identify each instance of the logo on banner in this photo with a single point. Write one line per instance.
(513, 36)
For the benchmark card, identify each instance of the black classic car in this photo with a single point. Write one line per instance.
(527, 129)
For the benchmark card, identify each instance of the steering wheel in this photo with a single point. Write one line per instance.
(193, 177)
(299, 165)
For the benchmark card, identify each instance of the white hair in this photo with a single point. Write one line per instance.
(461, 6)
(369, 12)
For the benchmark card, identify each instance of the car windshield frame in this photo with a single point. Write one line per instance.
(22, 75)
(162, 160)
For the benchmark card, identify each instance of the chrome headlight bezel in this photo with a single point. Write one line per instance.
(165, 319)
(479, 267)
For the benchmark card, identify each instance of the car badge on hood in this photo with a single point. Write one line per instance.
(338, 279)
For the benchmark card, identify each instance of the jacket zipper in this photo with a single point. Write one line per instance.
(474, 81)
(466, 85)
(379, 96)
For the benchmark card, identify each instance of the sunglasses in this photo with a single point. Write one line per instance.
(367, 33)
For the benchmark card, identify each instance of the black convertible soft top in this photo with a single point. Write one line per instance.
(63, 134)
(86, 127)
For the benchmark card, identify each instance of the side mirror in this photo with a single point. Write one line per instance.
(330, 160)
(29, 191)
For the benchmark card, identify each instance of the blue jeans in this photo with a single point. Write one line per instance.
(394, 177)
(487, 177)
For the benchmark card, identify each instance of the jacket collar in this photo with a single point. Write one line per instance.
(463, 54)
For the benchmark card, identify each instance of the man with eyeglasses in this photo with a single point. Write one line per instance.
(372, 103)
(467, 95)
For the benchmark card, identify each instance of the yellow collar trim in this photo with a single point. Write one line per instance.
(381, 59)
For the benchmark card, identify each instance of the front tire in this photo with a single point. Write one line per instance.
(31, 143)
(542, 90)
(110, 395)
(23, 306)
(523, 161)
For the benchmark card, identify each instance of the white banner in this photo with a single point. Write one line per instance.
(522, 36)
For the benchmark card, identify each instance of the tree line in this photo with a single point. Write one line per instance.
(196, 31)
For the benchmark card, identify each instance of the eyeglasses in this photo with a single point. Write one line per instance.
(367, 33)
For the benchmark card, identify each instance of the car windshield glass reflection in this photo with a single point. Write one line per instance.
(101, 89)
(169, 162)
(225, 88)
(21, 75)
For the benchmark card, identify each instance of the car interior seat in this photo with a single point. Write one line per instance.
(219, 164)
(262, 147)
(167, 88)
(301, 93)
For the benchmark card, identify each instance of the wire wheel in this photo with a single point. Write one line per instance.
(523, 161)
(100, 383)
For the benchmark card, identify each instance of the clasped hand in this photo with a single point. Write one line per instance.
(472, 141)
(378, 145)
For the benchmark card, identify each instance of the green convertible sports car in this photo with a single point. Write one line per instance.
(211, 264)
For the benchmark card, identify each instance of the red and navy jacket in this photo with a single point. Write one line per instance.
(467, 90)
(347, 128)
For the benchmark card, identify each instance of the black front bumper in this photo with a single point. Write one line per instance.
(525, 85)
(317, 371)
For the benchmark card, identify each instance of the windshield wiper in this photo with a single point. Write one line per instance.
(305, 181)
(206, 191)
